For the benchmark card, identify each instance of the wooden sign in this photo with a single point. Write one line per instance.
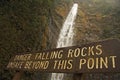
(103, 56)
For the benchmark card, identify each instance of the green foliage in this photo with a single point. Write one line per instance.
(22, 24)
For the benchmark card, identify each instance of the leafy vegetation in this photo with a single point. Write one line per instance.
(24, 26)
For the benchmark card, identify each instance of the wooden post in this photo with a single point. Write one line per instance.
(18, 75)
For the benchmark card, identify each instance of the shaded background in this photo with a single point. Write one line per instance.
(34, 25)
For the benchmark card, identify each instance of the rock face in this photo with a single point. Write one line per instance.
(94, 18)
(85, 29)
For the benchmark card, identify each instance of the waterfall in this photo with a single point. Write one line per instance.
(66, 36)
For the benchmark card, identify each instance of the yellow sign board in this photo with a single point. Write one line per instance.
(102, 56)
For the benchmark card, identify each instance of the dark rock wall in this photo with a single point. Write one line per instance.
(23, 28)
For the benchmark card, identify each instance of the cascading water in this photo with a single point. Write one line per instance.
(66, 36)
